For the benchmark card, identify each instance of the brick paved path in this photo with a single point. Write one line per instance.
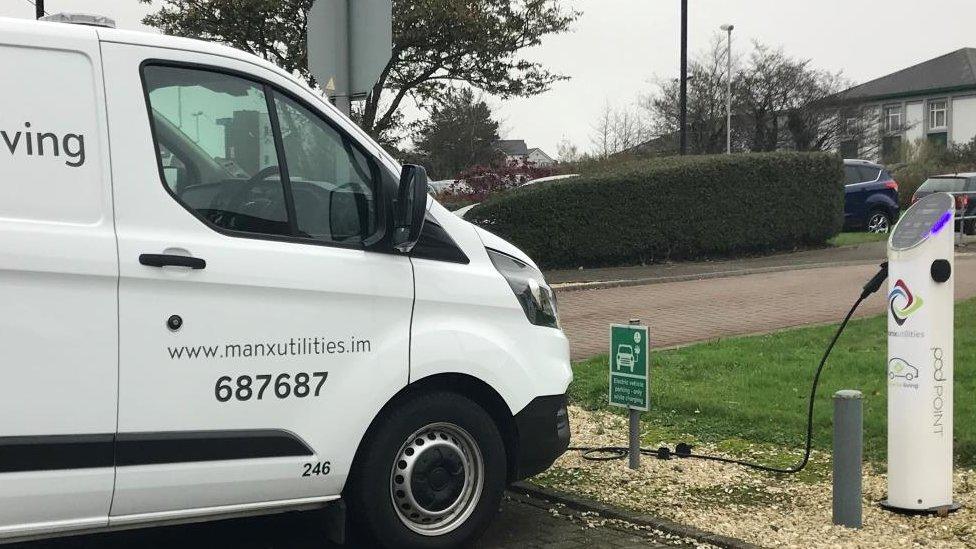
(685, 312)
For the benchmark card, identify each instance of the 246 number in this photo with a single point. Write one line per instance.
(316, 469)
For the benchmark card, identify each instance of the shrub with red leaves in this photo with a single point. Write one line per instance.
(479, 182)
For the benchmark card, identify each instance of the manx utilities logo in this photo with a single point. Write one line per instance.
(902, 302)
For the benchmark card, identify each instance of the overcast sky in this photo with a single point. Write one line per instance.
(618, 48)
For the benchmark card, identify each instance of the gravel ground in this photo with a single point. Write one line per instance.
(762, 508)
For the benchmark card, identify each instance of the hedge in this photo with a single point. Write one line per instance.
(673, 208)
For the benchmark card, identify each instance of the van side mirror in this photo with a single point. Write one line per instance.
(410, 209)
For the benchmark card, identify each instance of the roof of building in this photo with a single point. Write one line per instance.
(954, 70)
(540, 151)
(512, 147)
(667, 143)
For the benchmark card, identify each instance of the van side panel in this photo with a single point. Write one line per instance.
(254, 294)
(58, 283)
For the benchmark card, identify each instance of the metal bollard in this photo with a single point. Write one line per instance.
(634, 443)
(633, 453)
(848, 454)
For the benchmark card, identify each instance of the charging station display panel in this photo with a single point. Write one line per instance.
(927, 217)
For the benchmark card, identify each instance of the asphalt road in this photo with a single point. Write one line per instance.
(523, 522)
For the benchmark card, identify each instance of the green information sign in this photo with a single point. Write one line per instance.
(629, 374)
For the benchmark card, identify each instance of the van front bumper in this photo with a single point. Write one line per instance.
(543, 435)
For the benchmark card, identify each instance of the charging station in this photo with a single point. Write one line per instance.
(920, 339)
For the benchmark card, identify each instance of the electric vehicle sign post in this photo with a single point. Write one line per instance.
(630, 378)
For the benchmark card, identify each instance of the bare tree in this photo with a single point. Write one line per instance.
(779, 102)
(785, 103)
(707, 97)
(567, 151)
(619, 129)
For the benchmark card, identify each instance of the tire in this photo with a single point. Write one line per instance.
(879, 221)
(404, 495)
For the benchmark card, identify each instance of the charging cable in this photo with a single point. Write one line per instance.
(683, 450)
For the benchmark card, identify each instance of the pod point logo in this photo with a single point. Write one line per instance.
(902, 302)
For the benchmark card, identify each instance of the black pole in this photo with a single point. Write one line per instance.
(38, 8)
(683, 106)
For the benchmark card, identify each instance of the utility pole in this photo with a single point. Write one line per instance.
(728, 93)
(342, 93)
(349, 42)
(38, 9)
(683, 106)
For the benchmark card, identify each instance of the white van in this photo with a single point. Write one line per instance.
(221, 298)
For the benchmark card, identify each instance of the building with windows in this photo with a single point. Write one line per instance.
(516, 151)
(538, 157)
(933, 100)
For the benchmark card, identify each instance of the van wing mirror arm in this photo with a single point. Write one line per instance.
(410, 208)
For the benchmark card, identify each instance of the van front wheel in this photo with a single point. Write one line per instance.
(431, 474)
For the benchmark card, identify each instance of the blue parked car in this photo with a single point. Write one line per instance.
(870, 197)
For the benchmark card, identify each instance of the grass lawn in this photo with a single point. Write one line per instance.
(755, 389)
(851, 239)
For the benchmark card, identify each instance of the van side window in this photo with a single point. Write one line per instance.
(216, 148)
(333, 182)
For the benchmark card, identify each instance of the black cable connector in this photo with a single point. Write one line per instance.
(683, 450)
(875, 283)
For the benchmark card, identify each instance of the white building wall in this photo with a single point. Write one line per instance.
(963, 123)
(914, 122)
(540, 159)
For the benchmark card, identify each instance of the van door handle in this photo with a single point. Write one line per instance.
(168, 260)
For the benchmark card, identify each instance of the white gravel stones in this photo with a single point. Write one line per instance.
(762, 508)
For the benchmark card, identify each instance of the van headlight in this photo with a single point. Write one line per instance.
(536, 297)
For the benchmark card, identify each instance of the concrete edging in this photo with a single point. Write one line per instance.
(600, 285)
(606, 511)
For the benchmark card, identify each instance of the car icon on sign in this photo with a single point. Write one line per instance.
(898, 367)
(625, 357)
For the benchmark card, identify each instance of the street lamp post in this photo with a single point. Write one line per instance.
(728, 95)
(683, 100)
(196, 116)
